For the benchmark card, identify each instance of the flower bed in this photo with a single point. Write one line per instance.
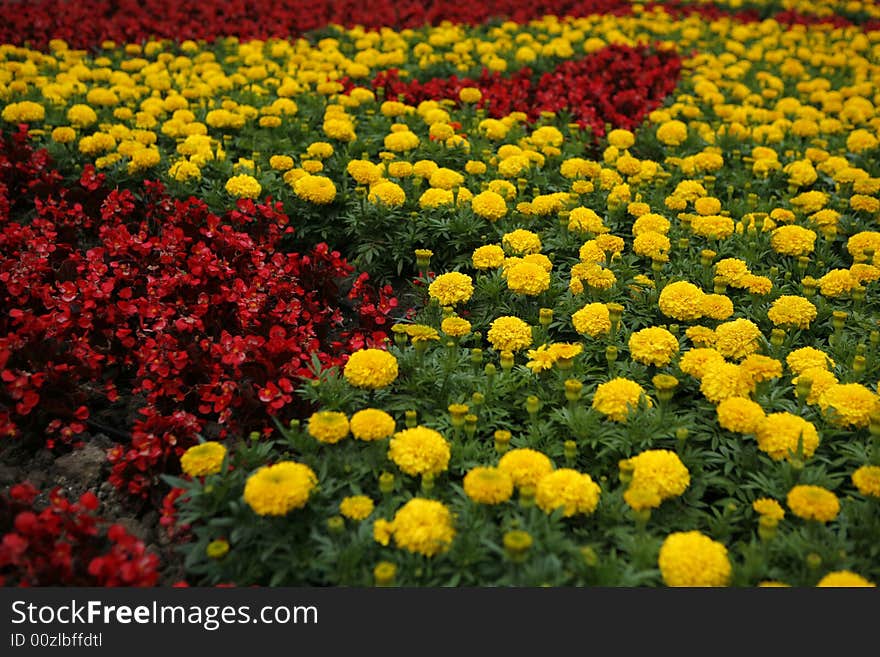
(511, 299)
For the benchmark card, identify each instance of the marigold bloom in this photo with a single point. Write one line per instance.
(204, 459)
(653, 346)
(490, 256)
(451, 288)
(582, 219)
(244, 186)
(813, 503)
(845, 578)
(387, 193)
(370, 368)
(521, 242)
(541, 359)
(792, 311)
(739, 414)
(723, 380)
(693, 559)
(695, 362)
(371, 424)
(767, 506)
(681, 300)
(761, 368)
(275, 490)
(509, 333)
(849, 404)
(836, 283)
(525, 466)
(593, 320)
(867, 480)
(489, 205)
(716, 306)
(319, 190)
(528, 278)
(617, 398)
(659, 472)
(419, 451)
(574, 491)
(820, 380)
(806, 357)
(778, 435)
(364, 172)
(672, 133)
(328, 426)
(487, 485)
(793, 240)
(356, 507)
(421, 526)
(737, 339)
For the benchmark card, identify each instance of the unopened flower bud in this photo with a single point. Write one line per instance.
(516, 544)
(217, 549)
(411, 419)
(545, 316)
(569, 450)
(336, 524)
(767, 527)
(502, 440)
(384, 573)
(386, 482)
(777, 337)
(506, 360)
(573, 389)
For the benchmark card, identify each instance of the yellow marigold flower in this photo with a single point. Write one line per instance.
(451, 288)
(778, 435)
(574, 491)
(364, 172)
(715, 226)
(653, 346)
(401, 141)
(582, 219)
(420, 526)
(738, 338)
(81, 116)
(621, 139)
(697, 361)
(681, 300)
(63, 135)
(723, 380)
(339, 128)
(525, 466)
(455, 327)
(509, 333)
(356, 507)
(217, 549)
(793, 240)
(811, 201)
(372, 424)
(716, 306)
(858, 243)
(203, 459)
(487, 485)
(328, 426)
(371, 369)
(434, 197)
(475, 167)
(806, 357)
(767, 506)
(419, 451)
(651, 244)
(382, 531)
(184, 170)
(444, 178)
(813, 503)
(739, 414)
(845, 579)
(761, 368)
(849, 404)
(275, 490)
(867, 480)
(541, 359)
(659, 472)
(701, 336)
(860, 140)
(490, 256)
(672, 133)
(733, 270)
(593, 320)
(707, 205)
(820, 380)
(617, 398)
(489, 205)
(244, 186)
(387, 193)
(528, 278)
(281, 162)
(801, 173)
(319, 190)
(836, 283)
(25, 111)
(693, 559)
(566, 350)
(521, 242)
(791, 311)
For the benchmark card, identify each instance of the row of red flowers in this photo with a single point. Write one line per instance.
(617, 85)
(206, 318)
(84, 25)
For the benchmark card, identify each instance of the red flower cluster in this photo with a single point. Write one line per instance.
(206, 317)
(67, 544)
(85, 25)
(617, 85)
